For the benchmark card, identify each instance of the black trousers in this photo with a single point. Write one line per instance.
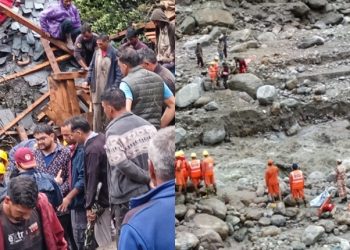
(66, 28)
(66, 223)
(200, 61)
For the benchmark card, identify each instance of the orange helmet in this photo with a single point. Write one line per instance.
(269, 162)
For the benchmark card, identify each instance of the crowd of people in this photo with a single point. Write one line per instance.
(84, 185)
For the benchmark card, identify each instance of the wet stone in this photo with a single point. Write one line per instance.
(30, 38)
(25, 46)
(5, 48)
(15, 26)
(23, 29)
(3, 60)
(38, 6)
(29, 4)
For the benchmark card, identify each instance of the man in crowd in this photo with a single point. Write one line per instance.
(296, 182)
(52, 158)
(74, 200)
(27, 220)
(95, 169)
(271, 179)
(165, 37)
(156, 209)
(199, 55)
(149, 62)
(61, 21)
(127, 138)
(341, 181)
(26, 166)
(133, 40)
(85, 46)
(104, 73)
(145, 91)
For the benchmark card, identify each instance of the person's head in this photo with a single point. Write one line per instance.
(193, 156)
(44, 136)
(4, 157)
(80, 129)
(270, 162)
(67, 3)
(113, 102)
(161, 152)
(339, 162)
(131, 35)
(102, 42)
(205, 153)
(86, 32)
(159, 18)
(295, 166)
(2, 172)
(24, 159)
(21, 199)
(177, 154)
(198, 44)
(148, 59)
(66, 132)
(128, 59)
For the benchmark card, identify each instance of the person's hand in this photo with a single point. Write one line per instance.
(47, 34)
(151, 185)
(86, 68)
(58, 178)
(65, 203)
(90, 216)
(85, 85)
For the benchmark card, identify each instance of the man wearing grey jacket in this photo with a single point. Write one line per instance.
(127, 139)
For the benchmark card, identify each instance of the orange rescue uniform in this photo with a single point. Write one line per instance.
(296, 182)
(208, 171)
(271, 179)
(195, 171)
(213, 71)
(179, 173)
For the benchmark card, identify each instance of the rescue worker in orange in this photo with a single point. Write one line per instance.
(195, 171)
(208, 172)
(3, 157)
(271, 179)
(185, 166)
(213, 71)
(296, 182)
(179, 174)
(341, 181)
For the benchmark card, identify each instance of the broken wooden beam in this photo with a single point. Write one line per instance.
(69, 75)
(24, 113)
(32, 26)
(22, 133)
(50, 56)
(32, 69)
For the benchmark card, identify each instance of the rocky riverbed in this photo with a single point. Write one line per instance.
(292, 106)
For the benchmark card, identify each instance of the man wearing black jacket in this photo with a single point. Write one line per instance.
(95, 172)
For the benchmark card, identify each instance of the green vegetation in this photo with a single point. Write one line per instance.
(110, 16)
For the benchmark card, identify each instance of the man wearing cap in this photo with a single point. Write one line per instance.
(165, 37)
(26, 165)
(341, 181)
(296, 182)
(208, 172)
(195, 171)
(133, 40)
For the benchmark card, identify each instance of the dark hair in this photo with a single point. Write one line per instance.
(147, 54)
(103, 37)
(79, 122)
(86, 27)
(43, 128)
(23, 191)
(130, 57)
(115, 98)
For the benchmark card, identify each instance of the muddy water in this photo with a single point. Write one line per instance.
(315, 148)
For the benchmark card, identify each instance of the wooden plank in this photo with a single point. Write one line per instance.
(32, 26)
(24, 113)
(69, 75)
(32, 69)
(73, 98)
(50, 56)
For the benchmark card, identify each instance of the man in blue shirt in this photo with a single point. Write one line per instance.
(150, 223)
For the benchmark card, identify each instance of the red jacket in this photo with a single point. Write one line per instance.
(52, 230)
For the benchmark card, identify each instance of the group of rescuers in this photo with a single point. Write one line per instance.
(195, 169)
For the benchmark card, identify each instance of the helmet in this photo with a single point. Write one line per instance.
(216, 58)
(2, 168)
(177, 154)
(3, 155)
(270, 162)
(182, 153)
(339, 161)
(205, 153)
(193, 155)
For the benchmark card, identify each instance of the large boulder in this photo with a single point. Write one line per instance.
(206, 221)
(267, 37)
(248, 83)
(240, 234)
(210, 16)
(333, 18)
(316, 177)
(180, 211)
(300, 9)
(218, 207)
(241, 35)
(186, 241)
(328, 225)
(278, 220)
(188, 95)
(310, 41)
(254, 214)
(180, 135)
(214, 135)
(245, 46)
(343, 218)
(202, 101)
(266, 94)
(209, 238)
(312, 234)
(317, 4)
(204, 40)
(270, 231)
(188, 25)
